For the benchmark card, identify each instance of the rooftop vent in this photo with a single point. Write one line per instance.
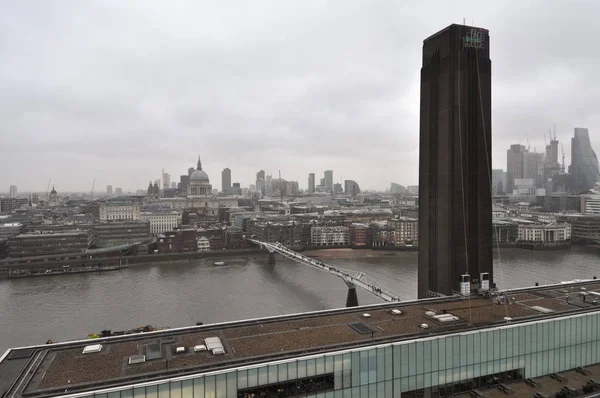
(214, 344)
(366, 315)
(88, 349)
(396, 312)
(137, 359)
(541, 309)
(430, 313)
(199, 348)
(180, 350)
(424, 326)
(361, 328)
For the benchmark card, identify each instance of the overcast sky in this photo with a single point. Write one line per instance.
(118, 90)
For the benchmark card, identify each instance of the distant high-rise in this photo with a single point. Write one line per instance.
(190, 171)
(184, 181)
(398, 189)
(311, 182)
(498, 176)
(13, 191)
(118, 191)
(329, 180)
(515, 166)
(173, 185)
(584, 162)
(225, 179)
(260, 182)
(166, 183)
(351, 188)
(109, 190)
(455, 199)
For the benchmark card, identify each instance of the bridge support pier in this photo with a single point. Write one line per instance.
(352, 297)
(272, 258)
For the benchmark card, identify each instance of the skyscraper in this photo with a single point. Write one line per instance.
(515, 166)
(455, 200)
(225, 179)
(109, 190)
(260, 182)
(311, 182)
(329, 180)
(13, 191)
(584, 162)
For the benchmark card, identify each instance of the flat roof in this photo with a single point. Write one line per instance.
(48, 370)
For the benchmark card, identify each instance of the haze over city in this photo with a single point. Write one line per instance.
(118, 91)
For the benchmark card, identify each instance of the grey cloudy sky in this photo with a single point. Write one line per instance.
(116, 90)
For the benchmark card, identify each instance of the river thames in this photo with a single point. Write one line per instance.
(66, 307)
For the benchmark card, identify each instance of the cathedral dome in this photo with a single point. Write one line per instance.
(200, 176)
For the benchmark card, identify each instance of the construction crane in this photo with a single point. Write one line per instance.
(351, 278)
(280, 189)
(93, 186)
(562, 149)
(48, 189)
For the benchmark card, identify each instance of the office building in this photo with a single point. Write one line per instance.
(498, 183)
(225, 179)
(260, 182)
(184, 182)
(166, 180)
(397, 189)
(544, 236)
(9, 230)
(48, 243)
(109, 190)
(119, 210)
(387, 350)
(162, 221)
(584, 162)
(590, 204)
(337, 188)
(351, 188)
(173, 185)
(330, 236)
(455, 199)
(515, 164)
(311, 182)
(13, 191)
(329, 180)
(118, 191)
(116, 233)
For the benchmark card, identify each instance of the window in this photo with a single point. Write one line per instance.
(298, 387)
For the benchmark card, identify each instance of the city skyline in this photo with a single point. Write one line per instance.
(249, 100)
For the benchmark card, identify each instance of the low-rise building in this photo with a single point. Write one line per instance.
(590, 204)
(9, 204)
(121, 210)
(360, 235)
(382, 234)
(48, 243)
(544, 236)
(330, 236)
(405, 231)
(504, 231)
(9, 230)
(162, 221)
(177, 241)
(115, 233)
(203, 244)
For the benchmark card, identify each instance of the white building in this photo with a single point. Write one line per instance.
(590, 204)
(203, 244)
(330, 236)
(162, 221)
(545, 233)
(119, 210)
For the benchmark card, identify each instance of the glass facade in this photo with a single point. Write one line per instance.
(440, 364)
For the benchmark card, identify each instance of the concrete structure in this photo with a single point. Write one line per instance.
(351, 188)
(184, 182)
(515, 164)
(161, 222)
(437, 348)
(337, 188)
(455, 199)
(584, 162)
(330, 236)
(119, 210)
(7, 205)
(153, 192)
(544, 236)
(48, 243)
(292, 188)
(328, 180)
(225, 179)
(173, 185)
(311, 182)
(413, 189)
(109, 190)
(166, 180)
(13, 191)
(118, 191)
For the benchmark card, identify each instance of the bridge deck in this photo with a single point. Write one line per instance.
(246, 342)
